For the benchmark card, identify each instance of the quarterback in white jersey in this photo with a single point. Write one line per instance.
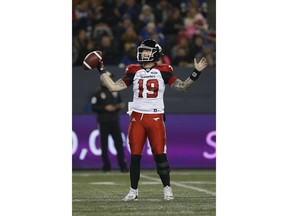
(148, 87)
(147, 109)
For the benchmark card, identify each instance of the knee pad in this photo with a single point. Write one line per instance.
(162, 164)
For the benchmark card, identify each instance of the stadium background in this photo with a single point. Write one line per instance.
(198, 102)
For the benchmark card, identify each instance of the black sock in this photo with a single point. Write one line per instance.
(135, 170)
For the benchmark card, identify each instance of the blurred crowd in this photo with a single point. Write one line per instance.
(116, 27)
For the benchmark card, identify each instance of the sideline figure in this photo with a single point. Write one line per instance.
(107, 105)
(147, 109)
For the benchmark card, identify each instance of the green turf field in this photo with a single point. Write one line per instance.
(98, 193)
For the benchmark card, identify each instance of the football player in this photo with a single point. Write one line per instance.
(147, 109)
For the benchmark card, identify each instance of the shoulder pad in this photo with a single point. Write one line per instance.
(165, 68)
(132, 68)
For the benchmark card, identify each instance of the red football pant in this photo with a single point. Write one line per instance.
(147, 125)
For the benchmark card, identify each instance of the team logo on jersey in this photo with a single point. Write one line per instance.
(153, 72)
(148, 76)
(115, 94)
(133, 120)
(156, 119)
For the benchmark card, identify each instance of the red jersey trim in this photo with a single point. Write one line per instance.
(126, 82)
(172, 80)
(164, 68)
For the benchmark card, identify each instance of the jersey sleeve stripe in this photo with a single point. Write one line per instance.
(126, 82)
(171, 80)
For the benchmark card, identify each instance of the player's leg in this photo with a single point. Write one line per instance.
(134, 178)
(115, 132)
(163, 170)
(104, 132)
(137, 137)
(157, 138)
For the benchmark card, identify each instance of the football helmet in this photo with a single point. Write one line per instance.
(152, 46)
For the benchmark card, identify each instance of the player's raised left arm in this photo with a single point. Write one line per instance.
(198, 68)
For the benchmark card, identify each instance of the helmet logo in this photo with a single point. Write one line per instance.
(159, 47)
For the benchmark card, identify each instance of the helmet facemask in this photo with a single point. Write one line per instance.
(150, 46)
(141, 57)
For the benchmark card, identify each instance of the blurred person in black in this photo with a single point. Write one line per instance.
(107, 106)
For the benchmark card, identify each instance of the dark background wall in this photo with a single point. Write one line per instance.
(211, 19)
(200, 98)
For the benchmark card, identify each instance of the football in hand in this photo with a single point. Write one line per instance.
(92, 60)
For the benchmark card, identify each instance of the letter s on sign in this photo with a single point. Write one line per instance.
(212, 143)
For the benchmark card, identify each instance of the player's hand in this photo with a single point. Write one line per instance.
(101, 67)
(201, 64)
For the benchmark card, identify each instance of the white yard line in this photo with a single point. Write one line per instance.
(173, 172)
(98, 174)
(118, 173)
(180, 185)
(181, 182)
(197, 182)
(103, 183)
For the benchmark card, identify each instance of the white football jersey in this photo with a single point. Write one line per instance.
(148, 87)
